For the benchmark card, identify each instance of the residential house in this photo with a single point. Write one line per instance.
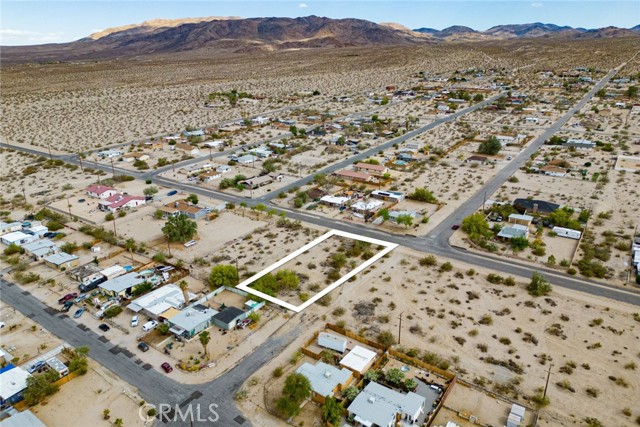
(316, 193)
(516, 230)
(228, 317)
(85, 274)
(579, 144)
(100, 191)
(355, 176)
(367, 206)
(113, 272)
(214, 144)
(393, 215)
(520, 219)
(38, 230)
(187, 149)
(551, 170)
(40, 249)
(326, 380)
(182, 207)
(262, 153)
(121, 286)
(209, 176)
(377, 170)
(380, 406)
(6, 228)
(223, 169)
(14, 382)
(120, 201)
(18, 237)
(534, 206)
(191, 321)
(481, 160)
(135, 156)
(22, 419)
(504, 139)
(110, 154)
(334, 342)
(258, 181)
(156, 302)
(246, 159)
(394, 196)
(153, 145)
(359, 360)
(62, 260)
(334, 201)
(196, 133)
(531, 120)
(405, 157)
(56, 365)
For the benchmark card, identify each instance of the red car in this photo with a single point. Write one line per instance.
(167, 368)
(67, 297)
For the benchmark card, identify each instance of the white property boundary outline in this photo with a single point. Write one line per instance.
(388, 247)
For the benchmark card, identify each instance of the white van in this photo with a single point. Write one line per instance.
(149, 325)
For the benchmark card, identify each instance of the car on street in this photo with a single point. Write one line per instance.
(167, 368)
(78, 313)
(36, 366)
(67, 297)
(455, 226)
(143, 346)
(134, 321)
(104, 327)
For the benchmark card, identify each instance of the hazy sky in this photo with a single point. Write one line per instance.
(36, 22)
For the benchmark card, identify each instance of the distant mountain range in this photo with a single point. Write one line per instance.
(233, 34)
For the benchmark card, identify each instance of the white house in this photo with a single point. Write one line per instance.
(109, 154)
(9, 227)
(136, 155)
(334, 342)
(18, 237)
(100, 191)
(505, 139)
(532, 120)
(370, 205)
(567, 232)
(223, 169)
(214, 144)
(246, 159)
(380, 406)
(120, 201)
(40, 248)
(579, 144)
(188, 149)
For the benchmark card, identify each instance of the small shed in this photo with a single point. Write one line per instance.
(55, 364)
(228, 317)
(332, 341)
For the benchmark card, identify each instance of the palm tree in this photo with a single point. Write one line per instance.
(130, 244)
(184, 287)
(204, 340)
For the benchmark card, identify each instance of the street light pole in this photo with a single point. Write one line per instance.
(400, 327)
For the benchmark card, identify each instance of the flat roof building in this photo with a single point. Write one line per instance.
(359, 359)
(325, 379)
(332, 341)
(378, 405)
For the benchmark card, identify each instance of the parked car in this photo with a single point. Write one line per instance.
(36, 366)
(143, 346)
(509, 157)
(455, 226)
(67, 297)
(104, 327)
(81, 200)
(134, 322)
(78, 313)
(2, 325)
(93, 285)
(67, 306)
(80, 298)
(172, 193)
(167, 368)
(50, 234)
(149, 325)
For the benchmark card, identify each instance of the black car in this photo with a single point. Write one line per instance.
(104, 327)
(143, 346)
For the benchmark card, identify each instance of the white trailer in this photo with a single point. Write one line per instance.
(567, 232)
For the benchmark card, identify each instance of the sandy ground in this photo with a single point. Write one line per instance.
(441, 310)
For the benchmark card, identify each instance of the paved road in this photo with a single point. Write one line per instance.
(155, 387)
(374, 150)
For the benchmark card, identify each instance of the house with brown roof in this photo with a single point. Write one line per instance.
(377, 170)
(182, 207)
(553, 171)
(136, 155)
(188, 149)
(355, 176)
(477, 160)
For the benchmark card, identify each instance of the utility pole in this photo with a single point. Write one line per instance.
(484, 202)
(50, 156)
(24, 194)
(113, 171)
(69, 207)
(547, 383)
(80, 158)
(400, 327)
(169, 246)
(237, 272)
(210, 155)
(114, 226)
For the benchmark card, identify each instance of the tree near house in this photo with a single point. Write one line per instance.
(384, 214)
(130, 245)
(320, 179)
(204, 338)
(476, 227)
(179, 228)
(192, 198)
(490, 146)
(394, 376)
(150, 190)
(296, 389)
(423, 195)
(519, 244)
(331, 411)
(405, 219)
(259, 208)
(184, 287)
(223, 275)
